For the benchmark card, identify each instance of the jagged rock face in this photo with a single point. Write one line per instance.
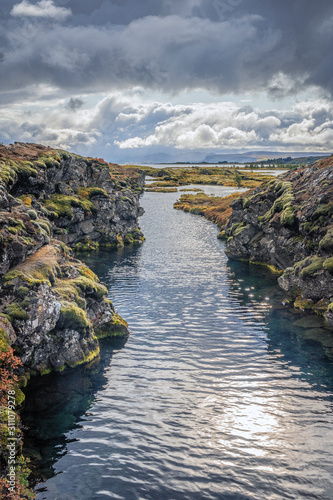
(85, 199)
(287, 224)
(52, 306)
(56, 307)
(20, 234)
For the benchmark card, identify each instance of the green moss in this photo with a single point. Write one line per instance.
(45, 370)
(120, 241)
(61, 205)
(87, 245)
(301, 303)
(45, 226)
(272, 268)
(24, 379)
(61, 369)
(16, 312)
(32, 214)
(90, 286)
(26, 200)
(328, 265)
(282, 186)
(49, 162)
(326, 210)
(88, 358)
(68, 291)
(73, 317)
(128, 239)
(240, 229)
(88, 273)
(247, 201)
(89, 192)
(283, 203)
(287, 217)
(118, 327)
(235, 226)
(330, 307)
(19, 397)
(315, 264)
(326, 243)
(40, 164)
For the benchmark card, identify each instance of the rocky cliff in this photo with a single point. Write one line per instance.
(287, 225)
(53, 308)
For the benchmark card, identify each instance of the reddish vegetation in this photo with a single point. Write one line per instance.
(326, 162)
(8, 365)
(216, 209)
(22, 151)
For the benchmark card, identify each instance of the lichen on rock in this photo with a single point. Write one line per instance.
(287, 224)
(51, 203)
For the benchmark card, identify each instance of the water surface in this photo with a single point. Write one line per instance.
(219, 392)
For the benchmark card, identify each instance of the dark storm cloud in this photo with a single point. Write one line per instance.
(221, 45)
(74, 104)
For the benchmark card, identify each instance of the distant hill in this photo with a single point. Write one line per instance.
(254, 156)
(137, 156)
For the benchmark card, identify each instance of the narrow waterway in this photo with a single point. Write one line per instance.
(219, 392)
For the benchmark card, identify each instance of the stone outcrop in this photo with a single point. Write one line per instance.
(287, 225)
(53, 308)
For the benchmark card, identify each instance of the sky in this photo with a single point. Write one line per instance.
(134, 80)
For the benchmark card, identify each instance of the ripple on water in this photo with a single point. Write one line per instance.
(214, 395)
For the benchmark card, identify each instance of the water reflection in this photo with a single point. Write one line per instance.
(302, 340)
(218, 393)
(54, 406)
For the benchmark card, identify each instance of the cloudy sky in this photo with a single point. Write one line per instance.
(127, 79)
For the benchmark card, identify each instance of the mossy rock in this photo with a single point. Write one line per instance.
(74, 318)
(326, 210)
(87, 358)
(32, 214)
(316, 264)
(325, 337)
(89, 192)
(89, 286)
(19, 397)
(87, 245)
(301, 303)
(62, 205)
(118, 327)
(326, 244)
(240, 229)
(222, 235)
(328, 265)
(16, 312)
(287, 217)
(128, 239)
(26, 200)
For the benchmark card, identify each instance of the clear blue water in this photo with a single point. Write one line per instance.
(219, 393)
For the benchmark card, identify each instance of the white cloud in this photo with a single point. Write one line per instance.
(126, 122)
(43, 9)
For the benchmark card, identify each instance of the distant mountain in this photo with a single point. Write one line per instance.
(253, 156)
(170, 155)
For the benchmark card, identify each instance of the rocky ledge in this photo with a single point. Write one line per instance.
(287, 224)
(53, 308)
